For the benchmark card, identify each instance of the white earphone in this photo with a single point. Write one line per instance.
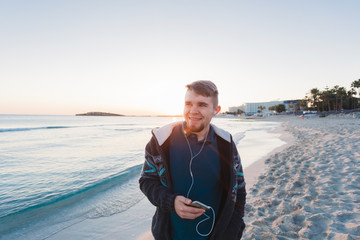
(192, 156)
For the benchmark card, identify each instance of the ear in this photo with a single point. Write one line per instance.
(217, 110)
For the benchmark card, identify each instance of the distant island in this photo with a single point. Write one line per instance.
(98, 114)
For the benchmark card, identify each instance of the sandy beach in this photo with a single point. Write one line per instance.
(308, 188)
(312, 189)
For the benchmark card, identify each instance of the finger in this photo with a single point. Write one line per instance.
(190, 212)
(180, 206)
(189, 215)
(193, 210)
(184, 200)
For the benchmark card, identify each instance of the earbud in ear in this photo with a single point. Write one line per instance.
(214, 112)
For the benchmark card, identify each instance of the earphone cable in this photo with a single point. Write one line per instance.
(192, 183)
(192, 158)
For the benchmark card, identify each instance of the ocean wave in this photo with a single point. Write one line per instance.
(123, 129)
(237, 137)
(31, 128)
(98, 199)
(132, 129)
(87, 190)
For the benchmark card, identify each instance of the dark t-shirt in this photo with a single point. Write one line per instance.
(206, 186)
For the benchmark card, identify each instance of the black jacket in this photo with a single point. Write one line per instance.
(155, 183)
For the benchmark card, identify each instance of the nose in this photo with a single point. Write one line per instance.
(194, 109)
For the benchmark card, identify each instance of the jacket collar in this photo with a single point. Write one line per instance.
(163, 133)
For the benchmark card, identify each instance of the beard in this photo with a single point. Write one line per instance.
(193, 128)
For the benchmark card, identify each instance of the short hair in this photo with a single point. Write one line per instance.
(205, 88)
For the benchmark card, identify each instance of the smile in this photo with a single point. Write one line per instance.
(195, 118)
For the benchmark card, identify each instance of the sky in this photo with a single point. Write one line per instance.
(135, 57)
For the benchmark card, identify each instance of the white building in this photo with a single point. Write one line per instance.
(252, 108)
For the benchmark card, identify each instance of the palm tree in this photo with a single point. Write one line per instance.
(335, 90)
(315, 97)
(341, 92)
(260, 108)
(350, 95)
(356, 84)
(326, 96)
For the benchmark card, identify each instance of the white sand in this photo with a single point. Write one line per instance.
(311, 190)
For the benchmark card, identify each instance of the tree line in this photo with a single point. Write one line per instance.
(330, 99)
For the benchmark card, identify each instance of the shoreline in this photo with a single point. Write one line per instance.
(254, 170)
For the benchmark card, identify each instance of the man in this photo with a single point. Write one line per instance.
(195, 161)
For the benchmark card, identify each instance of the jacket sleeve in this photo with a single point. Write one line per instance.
(234, 225)
(152, 181)
(239, 188)
(237, 225)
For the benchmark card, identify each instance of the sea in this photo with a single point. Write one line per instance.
(57, 171)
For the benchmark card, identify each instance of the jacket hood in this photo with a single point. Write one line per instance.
(163, 133)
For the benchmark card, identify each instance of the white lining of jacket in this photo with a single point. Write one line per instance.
(163, 133)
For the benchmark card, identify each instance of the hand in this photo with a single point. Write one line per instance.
(184, 211)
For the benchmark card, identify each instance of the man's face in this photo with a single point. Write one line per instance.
(198, 111)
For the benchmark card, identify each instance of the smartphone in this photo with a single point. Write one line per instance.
(198, 204)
